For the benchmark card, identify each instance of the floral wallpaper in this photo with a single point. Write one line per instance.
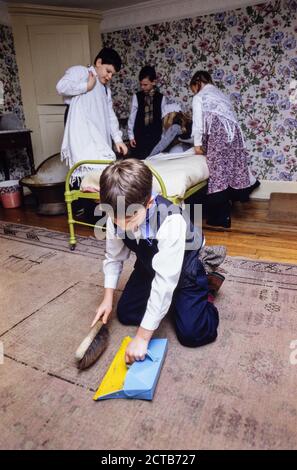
(252, 55)
(19, 165)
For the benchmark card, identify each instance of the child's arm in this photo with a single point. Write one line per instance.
(116, 252)
(167, 264)
(115, 255)
(131, 120)
(137, 349)
(169, 135)
(105, 308)
(197, 128)
(74, 82)
(116, 134)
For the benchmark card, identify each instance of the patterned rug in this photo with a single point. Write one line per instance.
(237, 393)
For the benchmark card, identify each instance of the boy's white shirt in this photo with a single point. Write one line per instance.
(167, 264)
(91, 121)
(133, 113)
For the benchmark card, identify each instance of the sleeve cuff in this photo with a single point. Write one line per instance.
(197, 141)
(111, 281)
(118, 141)
(149, 324)
(118, 138)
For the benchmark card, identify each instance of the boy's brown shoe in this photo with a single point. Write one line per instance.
(215, 280)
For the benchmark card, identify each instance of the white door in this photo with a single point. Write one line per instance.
(51, 120)
(54, 49)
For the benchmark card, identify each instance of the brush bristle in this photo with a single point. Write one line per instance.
(81, 350)
(96, 348)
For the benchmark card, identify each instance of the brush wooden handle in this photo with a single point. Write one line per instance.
(84, 345)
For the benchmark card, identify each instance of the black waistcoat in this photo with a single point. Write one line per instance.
(146, 248)
(148, 136)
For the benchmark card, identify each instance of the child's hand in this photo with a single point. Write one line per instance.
(104, 310)
(136, 350)
(199, 150)
(133, 143)
(122, 148)
(91, 81)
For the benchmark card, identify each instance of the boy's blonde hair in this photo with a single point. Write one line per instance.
(129, 178)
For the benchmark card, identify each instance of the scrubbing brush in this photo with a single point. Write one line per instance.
(93, 345)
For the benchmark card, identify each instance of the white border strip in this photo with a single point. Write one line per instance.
(156, 11)
(267, 187)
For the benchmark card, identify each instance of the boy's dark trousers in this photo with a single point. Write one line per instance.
(195, 319)
(146, 140)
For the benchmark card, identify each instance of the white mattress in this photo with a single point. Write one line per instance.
(178, 171)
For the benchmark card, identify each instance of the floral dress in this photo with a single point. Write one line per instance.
(216, 129)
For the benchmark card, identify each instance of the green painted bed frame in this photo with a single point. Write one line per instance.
(75, 194)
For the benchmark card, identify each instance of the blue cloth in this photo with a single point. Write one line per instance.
(167, 137)
(147, 229)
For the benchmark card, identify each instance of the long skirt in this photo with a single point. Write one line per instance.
(229, 178)
(227, 161)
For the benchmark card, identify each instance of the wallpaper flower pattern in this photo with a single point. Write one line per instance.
(19, 165)
(252, 54)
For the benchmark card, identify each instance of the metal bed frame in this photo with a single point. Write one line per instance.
(75, 194)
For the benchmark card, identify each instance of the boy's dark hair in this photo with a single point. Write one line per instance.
(109, 56)
(128, 178)
(147, 72)
(201, 76)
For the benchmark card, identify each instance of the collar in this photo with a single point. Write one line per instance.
(92, 69)
(146, 229)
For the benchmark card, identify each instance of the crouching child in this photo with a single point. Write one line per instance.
(167, 273)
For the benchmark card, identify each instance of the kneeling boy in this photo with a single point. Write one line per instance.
(167, 271)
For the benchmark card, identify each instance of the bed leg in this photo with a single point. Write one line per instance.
(72, 238)
(68, 200)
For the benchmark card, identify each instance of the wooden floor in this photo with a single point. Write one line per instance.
(252, 234)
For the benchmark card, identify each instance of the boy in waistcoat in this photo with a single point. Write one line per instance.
(145, 120)
(167, 272)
